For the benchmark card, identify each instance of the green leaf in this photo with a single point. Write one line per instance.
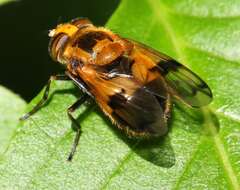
(2, 2)
(11, 107)
(201, 151)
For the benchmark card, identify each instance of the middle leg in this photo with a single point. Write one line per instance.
(70, 110)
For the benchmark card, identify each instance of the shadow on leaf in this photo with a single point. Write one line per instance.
(200, 117)
(158, 151)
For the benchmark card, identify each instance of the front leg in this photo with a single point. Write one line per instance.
(45, 95)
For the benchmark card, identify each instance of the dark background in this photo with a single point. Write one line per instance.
(25, 63)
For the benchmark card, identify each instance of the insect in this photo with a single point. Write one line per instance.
(133, 84)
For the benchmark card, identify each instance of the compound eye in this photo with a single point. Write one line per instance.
(81, 22)
(57, 45)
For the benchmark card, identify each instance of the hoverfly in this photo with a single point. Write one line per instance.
(133, 84)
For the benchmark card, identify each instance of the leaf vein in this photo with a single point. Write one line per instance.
(117, 169)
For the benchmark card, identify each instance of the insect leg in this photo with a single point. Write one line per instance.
(45, 95)
(70, 110)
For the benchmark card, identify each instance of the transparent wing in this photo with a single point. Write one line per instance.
(183, 83)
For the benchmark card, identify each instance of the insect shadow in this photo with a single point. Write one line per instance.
(204, 119)
(158, 150)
